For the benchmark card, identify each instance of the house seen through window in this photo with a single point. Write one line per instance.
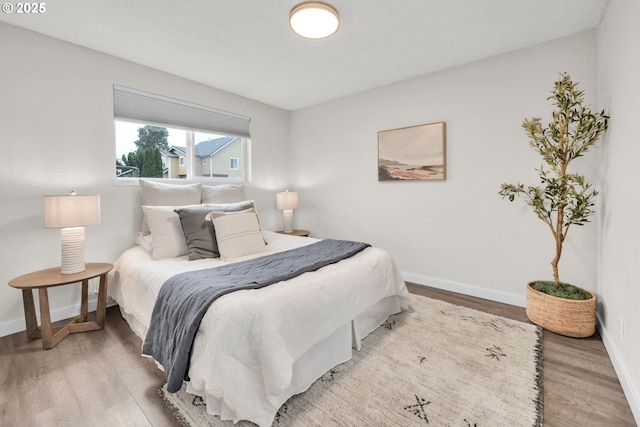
(151, 151)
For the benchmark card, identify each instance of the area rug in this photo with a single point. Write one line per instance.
(435, 364)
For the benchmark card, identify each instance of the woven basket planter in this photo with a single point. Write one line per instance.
(572, 318)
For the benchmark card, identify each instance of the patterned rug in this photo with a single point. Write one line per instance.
(435, 364)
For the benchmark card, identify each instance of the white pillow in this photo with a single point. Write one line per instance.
(162, 194)
(228, 193)
(167, 237)
(238, 234)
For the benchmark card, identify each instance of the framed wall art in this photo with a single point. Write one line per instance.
(413, 153)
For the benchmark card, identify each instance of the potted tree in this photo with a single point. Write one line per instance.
(561, 200)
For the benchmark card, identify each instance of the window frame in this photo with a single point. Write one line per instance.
(233, 160)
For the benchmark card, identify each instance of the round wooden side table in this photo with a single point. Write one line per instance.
(44, 279)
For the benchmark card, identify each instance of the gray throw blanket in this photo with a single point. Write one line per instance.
(184, 298)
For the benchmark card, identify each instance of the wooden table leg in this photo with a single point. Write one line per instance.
(101, 307)
(45, 319)
(30, 314)
(84, 304)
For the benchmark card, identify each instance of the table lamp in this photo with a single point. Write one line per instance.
(287, 201)
(71, 213)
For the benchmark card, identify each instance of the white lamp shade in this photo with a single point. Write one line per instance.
(71, 211)
(287, 200)
(314, 20)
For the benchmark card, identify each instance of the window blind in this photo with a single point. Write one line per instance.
(150, 108)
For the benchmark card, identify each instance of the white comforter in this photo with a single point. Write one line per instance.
(249, 341)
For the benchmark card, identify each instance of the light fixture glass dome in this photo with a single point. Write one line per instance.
(314, 20)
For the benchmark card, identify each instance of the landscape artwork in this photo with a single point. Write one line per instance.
(412, 153)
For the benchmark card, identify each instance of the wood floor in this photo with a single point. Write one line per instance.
(99, 379)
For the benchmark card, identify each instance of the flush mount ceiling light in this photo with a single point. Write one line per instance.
(314, 20)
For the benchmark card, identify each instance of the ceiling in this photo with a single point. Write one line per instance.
(246, 46)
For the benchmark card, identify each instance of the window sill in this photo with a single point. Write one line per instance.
(134, 182)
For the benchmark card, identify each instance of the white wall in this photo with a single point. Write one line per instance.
(457, 234)
(57, 135)
(619, 231)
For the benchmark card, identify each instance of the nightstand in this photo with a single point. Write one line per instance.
(44, 279)
(303, 233)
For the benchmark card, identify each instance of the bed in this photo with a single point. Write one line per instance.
(256, 348)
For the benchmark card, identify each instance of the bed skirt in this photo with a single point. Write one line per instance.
(320, 359)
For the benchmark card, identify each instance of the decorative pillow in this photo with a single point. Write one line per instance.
(237, 233)
(227, 193)
(199, 233)
(167, 238)
(162, 194)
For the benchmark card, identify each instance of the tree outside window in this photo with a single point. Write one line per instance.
(147, 158)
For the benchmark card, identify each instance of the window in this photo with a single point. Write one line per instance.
(159, 137)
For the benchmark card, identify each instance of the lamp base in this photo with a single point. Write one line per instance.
(287, 216)
(72, 250)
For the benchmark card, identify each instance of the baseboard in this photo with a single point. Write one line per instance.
(18, 325)
(474, 291)
(630, 392)
(15, 326)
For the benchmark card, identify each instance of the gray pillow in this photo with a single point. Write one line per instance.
(199, 233)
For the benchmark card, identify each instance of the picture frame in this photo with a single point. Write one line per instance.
(413, 153)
